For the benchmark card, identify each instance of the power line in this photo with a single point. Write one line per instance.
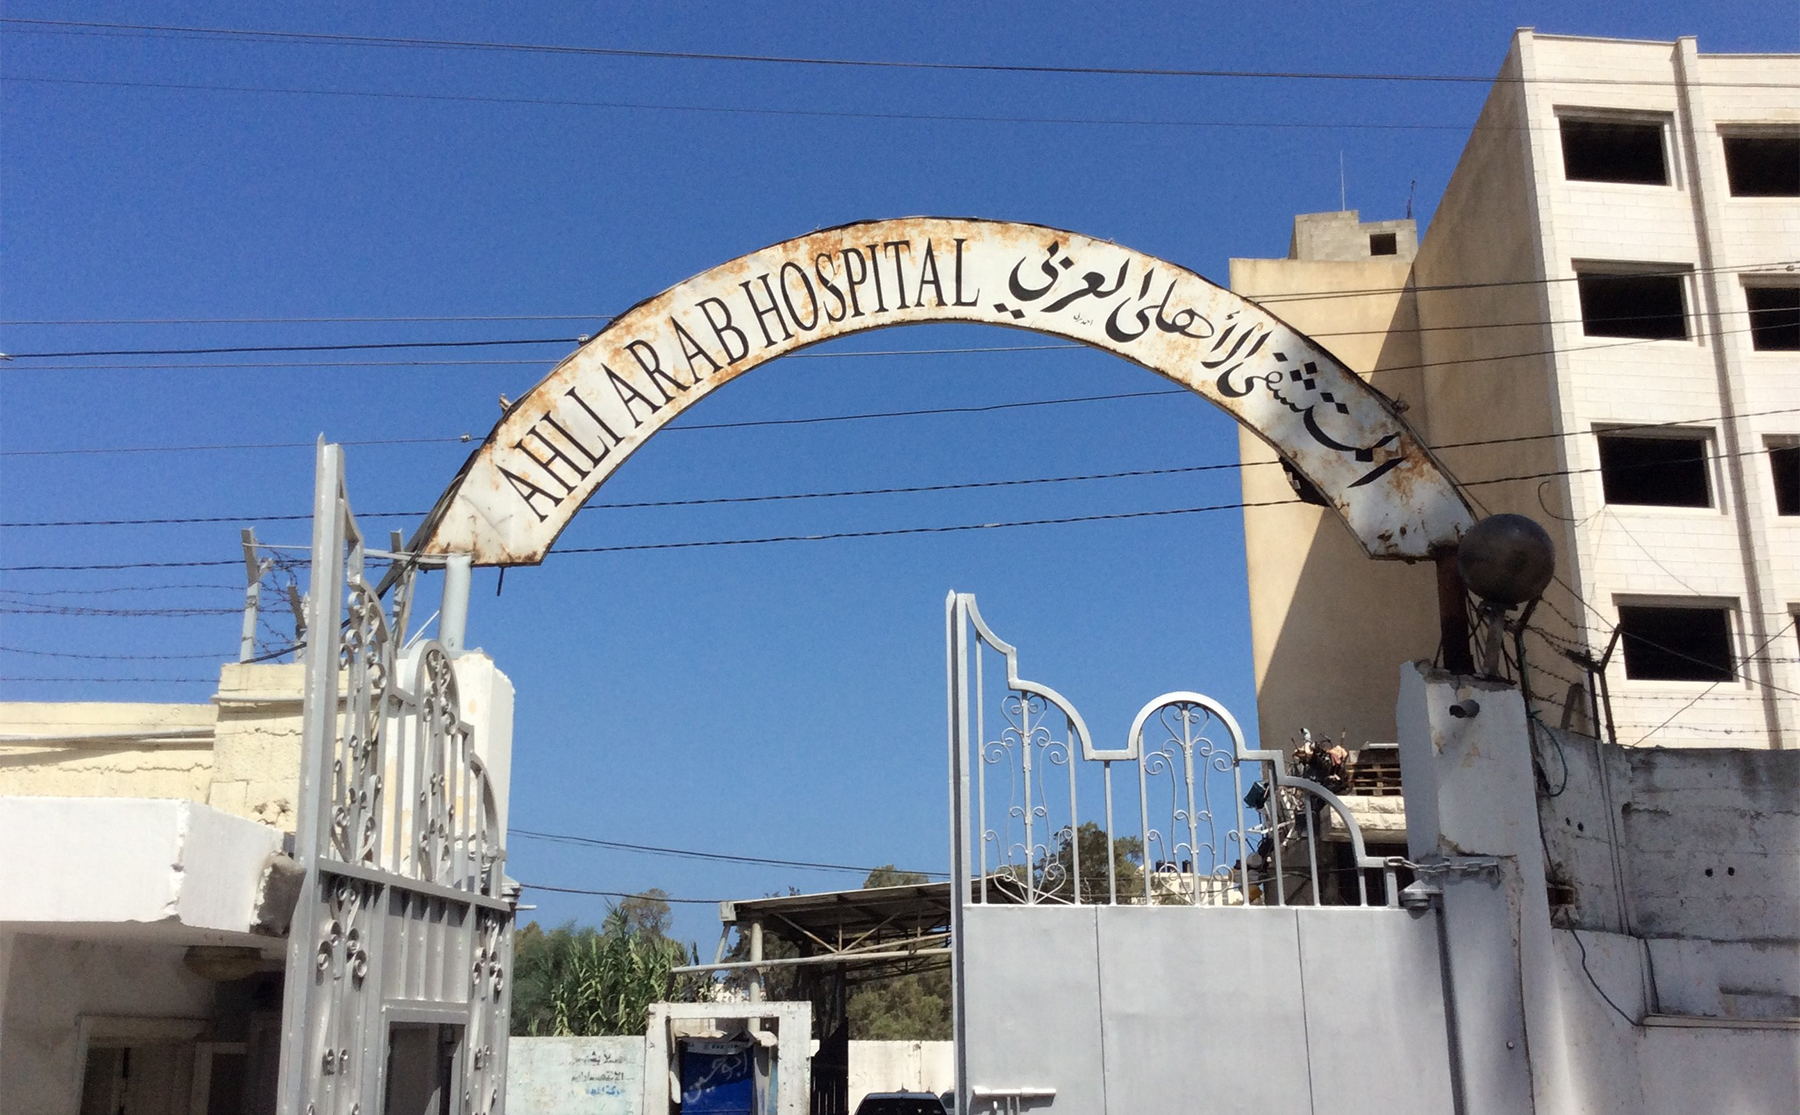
(115, 589)
(640, 504)
(110, 657)
(291, 348)
(621, 894)
(437, 319)
(812, 421)
(924, 488)
(328, 364)
(746, 110)
(21, 608)
(1269, 299)
(887, 533)
(230, 446)
(114, 681)
(315, 38)
(687, 853)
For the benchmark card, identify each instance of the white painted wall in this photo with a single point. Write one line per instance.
(575, 1076)
(901, 1066)
(1137, 1009)
(130, 862)
(1576, 1015)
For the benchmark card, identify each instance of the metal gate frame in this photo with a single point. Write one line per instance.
(1275, 829)
(404, 914)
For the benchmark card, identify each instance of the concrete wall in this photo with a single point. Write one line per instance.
(94, 748)
(575, 1076)
(54, 984)
(1326, 623)
(1174, 1008)
(1554, 1019)
(256, 756)
(240, 754)
(901, 1066)
(1696, 853)
(605, 1076)
(130, 864)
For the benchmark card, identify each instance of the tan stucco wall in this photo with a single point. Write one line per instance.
(256, 761)
(239, 753)
(1328, 625)
(67, 751)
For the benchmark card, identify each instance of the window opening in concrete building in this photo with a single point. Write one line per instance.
(1384, 244)
(1774, 317)
(1766, 165)
(1784, 462)
(1614, 151)
(1645, 305)
(1676, 643)
(1654, 471)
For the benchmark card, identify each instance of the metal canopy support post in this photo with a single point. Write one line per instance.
(453, 617)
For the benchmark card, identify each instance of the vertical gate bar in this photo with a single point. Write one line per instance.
(1025, 736)
(1112, 881)
(957, 682)
(1074, 815)
(1312, 857)
(1243, 833)
(980, 767)
(1144, 820)
(1193, 820)
(318, 737)
(1275, 834)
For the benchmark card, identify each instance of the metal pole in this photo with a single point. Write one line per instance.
(1453, 615)
(453, 616)
(756, 955)
(252, 596)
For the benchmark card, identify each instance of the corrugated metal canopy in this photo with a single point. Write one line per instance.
(835, 918)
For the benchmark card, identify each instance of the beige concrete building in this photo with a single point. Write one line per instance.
(148, 887)
(1601, 330)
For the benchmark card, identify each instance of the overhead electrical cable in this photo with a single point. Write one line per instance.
(834, 536)
(705, 501)
(809, 421)
(687, 853)
(319, 38)
(1260, 300)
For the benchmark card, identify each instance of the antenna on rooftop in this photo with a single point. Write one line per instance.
(1412, 188)
(1343, 197)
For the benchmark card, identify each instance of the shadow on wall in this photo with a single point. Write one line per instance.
(1335, 664)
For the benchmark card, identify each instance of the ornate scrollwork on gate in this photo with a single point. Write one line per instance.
(399, 836)
(1189, 843)
(365, 657)
(1220, 823)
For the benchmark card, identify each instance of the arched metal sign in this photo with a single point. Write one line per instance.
(558, 443)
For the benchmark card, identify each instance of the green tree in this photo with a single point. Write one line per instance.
(584, 981)
(910, 1007)
(1056, 870)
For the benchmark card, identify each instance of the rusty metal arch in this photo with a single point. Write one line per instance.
(559, 442)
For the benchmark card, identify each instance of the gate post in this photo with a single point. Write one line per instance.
(1472, 826)
(318, 737)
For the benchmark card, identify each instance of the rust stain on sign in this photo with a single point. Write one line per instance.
(558, 443)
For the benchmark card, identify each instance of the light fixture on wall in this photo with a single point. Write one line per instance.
(1506, 560)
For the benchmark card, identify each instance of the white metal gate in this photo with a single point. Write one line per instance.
(1113, 959)
(401, 942)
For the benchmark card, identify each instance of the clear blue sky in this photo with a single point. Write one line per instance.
(782, 701)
